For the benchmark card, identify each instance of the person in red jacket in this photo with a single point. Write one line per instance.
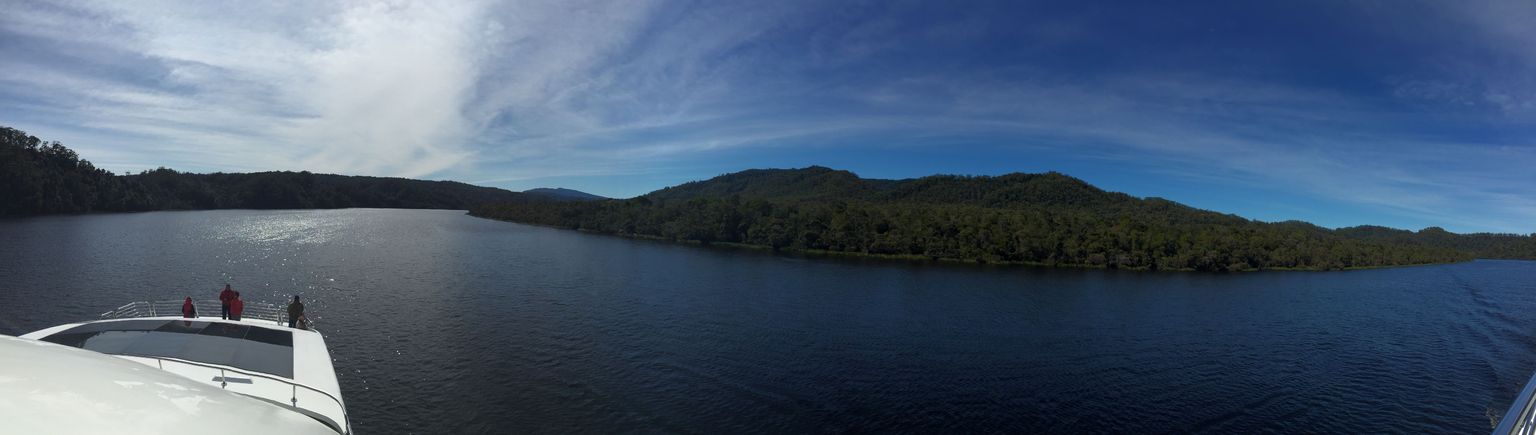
(236, 306)
(224, 299)
(187, 309)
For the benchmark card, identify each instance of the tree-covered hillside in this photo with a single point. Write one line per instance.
(1483, 245)
(1048, 219)
(38, 177)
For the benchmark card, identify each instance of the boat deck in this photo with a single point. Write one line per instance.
(260, 358)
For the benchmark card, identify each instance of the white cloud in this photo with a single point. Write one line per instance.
(368, 89)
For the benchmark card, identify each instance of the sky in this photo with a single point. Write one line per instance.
(1399, 113)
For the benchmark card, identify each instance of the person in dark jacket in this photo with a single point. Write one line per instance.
(236, 308)
(295, 311)
(224, 299)
(187, 309)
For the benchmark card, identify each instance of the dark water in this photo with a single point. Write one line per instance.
(442, 323)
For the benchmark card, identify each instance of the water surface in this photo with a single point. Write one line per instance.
(440, 323)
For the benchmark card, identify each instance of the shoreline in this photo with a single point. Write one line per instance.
(940, 260)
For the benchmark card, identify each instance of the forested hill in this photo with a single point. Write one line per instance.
(1047, 219)
(821, 183)
(1483, 245)
(38, 177)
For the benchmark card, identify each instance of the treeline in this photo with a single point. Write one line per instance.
(1483, 245)
(38, 177)
(1046, 219)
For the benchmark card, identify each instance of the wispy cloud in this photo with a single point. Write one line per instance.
(366, 88)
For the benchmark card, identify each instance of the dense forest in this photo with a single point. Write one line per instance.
(1046, 219)
(38, 177)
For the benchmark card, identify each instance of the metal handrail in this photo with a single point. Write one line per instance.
(1521, 424)
(1521, 418)
(205, 308)
(344, 428)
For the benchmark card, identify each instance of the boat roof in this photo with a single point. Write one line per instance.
(259, 358)
(51, 388)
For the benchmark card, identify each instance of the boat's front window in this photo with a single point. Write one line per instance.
(241, 346)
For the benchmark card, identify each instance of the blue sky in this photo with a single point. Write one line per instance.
(1399, 113)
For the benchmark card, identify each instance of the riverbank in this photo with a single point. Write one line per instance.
(939, 259)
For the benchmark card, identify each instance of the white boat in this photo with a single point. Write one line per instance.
(143, 368)
(1521, 417)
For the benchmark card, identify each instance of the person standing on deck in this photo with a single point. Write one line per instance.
(295, 311)
(224, 298)
(236, 307)
(187, 309)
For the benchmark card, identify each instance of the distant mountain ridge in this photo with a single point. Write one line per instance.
(560, 193)
(1049, 219)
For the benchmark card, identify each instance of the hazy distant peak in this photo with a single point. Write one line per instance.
(563, 194)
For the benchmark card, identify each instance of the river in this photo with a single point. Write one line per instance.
(444, 323)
